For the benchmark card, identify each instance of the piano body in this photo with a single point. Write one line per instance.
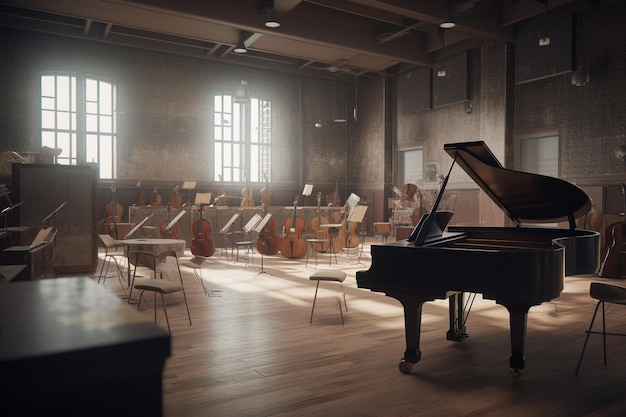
(518, 267)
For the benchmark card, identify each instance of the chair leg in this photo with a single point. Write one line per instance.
(604, 333)
(340, 310)
(164, 311)
(180, 275)
(588, 333)
(314, 298)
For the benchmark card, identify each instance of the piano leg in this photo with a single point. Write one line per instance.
(412, 304)
(457, 328)
(517, 322)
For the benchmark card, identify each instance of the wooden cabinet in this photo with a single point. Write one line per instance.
(43, 188)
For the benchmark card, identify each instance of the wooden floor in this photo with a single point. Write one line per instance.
(252, 352)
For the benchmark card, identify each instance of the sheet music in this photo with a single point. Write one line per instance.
(308, 189)
(203, 199)
(174, 220)
(134, 229)
(357, 214)
(251, 223)
(189, 185)
(229, 223)
(259, 227)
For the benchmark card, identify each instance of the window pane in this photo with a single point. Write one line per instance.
(91, 90)
(48, 120)
(63, 142)
(91, 123)
(63, 121)
(47, 103)
(106, 124)
(48, 139)
(106, 100)
(47, 86)
(91, 148)
(91, 107)
(63, 93)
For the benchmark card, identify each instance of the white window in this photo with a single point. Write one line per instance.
(242, 137)
(78, 117)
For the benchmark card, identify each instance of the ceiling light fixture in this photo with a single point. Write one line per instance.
(242, 95)
(267, 10)
(240, 48)
(545, 41)
(448, 22)
(580, 78)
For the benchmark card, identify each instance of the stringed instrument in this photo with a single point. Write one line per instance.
(173, 232)
(613, 264)
(140, 197)
(293, 244)
(176, 200)
(114, 211)
(222, 198)
(268, 243)
(246, 196)
(316, 225)
(155, 198)
(266, 194)
(350, 230)
(202, 245)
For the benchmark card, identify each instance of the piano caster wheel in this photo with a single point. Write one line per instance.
(515, 373)
(405, 367)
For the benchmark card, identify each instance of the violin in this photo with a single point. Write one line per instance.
(176, 200)
(613, 264)
(155, 197)
(316, 225)
(268, 243)
(114, 212)
(202, 245)
(140, 197)
(173, 232)
(293, 244)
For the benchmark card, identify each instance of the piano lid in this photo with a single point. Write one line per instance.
(523, 196)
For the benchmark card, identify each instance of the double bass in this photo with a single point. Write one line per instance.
(293, 244)
(202, 245)
(268, 243)
(114, 212)
(613, 263)
(173, 232)
(350, 229)
(316, 225)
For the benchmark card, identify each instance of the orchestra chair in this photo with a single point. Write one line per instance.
(164, 263)
(247, 250)
(112, 253)
(382, 229)
(196, 264)
(329, 275)
(313, 249)
(604, 293)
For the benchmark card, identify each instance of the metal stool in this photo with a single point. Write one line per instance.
(333, 276)
(604, 293)
(312, 243)
(246, 245)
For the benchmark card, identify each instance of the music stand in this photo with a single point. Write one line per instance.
(259, 228)
(139, 226)
(189, 185)
(224, 230)
(203, 199)
(174, 221)
(358, 215)
(307, 190)
(248, 228)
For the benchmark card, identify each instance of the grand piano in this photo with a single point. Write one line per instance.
(518, 267)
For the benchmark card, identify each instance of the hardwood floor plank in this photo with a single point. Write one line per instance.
(252, 352)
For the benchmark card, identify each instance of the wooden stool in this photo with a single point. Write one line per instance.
(329, 275)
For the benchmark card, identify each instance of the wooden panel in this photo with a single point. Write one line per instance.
(43, 188)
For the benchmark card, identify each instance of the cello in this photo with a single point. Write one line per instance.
(350, 229)
(155, 197)
(114, 212)
(173, 232)
(176, 200)
(613, 265)
(268, 243)
(202, 245)
(140, 197)
(316, 225)
(246, 197)
(293, 244)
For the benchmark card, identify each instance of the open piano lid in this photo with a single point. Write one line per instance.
(523, 196)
